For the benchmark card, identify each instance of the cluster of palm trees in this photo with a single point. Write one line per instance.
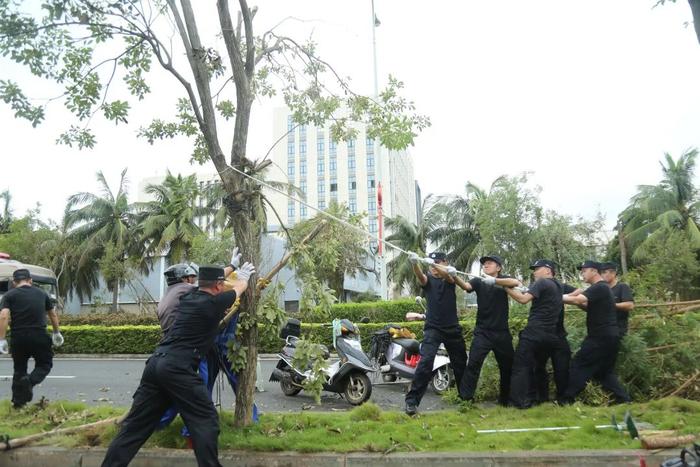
(106, 235)
(507, 219)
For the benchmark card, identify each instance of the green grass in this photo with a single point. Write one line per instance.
(368, 428)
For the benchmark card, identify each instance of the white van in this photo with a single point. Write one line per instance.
(42, 277)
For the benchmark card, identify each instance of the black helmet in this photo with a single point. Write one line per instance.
(176, 272)
(348, 327)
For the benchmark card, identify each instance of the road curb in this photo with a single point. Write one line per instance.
(88, 457)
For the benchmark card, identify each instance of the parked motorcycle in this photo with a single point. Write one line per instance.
(398, 356)
(347, 376)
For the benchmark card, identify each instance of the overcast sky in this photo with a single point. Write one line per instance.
(585, 95)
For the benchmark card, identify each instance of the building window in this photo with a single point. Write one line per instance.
(321, 166)
(290, 168)
(352, 184)
(302, 148)
(334, 187)
(290, 211)
(333, 165)
(370, 161)
(302, 211)
(351, 162)
(321, 187)
(370, 144)
(353, 205)
(332, 147)
(290, 148)
(302, 168)
(290, 123)
(351, 143)
(320, 146)
(302, 186)
(373, 225)
(302, 132)
(371, 207)
(322, 204)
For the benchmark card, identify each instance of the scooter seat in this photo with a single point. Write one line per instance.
(411, 345)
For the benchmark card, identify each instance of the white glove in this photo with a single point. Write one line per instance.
(428, 260)
(235, 258)
(244, 272)
(4, 348)
(413, 257)
(490, 280)
(451, 270)
(57, 339)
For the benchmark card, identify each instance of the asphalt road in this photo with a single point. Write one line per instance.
(113, 382)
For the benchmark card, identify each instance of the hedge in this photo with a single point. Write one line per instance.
(387, 311)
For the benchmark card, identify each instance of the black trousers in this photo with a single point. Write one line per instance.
(560, 355)
(595, 361)
(456, 349)
(28, 344)
(532, 342)
(485, 341)
(168, 379)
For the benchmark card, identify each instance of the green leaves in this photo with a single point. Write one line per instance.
(13, 95)
(82, 137)
(226, 108)
(116, 111)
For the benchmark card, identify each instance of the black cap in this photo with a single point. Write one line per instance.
(21, 275)
(608, 265)
(494, 258)
(589, 263)
(437, 256)
(544, 263)
(211, 273)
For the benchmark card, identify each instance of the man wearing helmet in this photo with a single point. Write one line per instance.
(181, 279)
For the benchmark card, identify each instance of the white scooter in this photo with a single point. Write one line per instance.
(399, 357)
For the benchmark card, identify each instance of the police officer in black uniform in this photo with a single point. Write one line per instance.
(596, 358)
(559, 354)
(539, 335)
(170, 376)
(624, 298)
(441, 325)
(27, 307)
(491, 333)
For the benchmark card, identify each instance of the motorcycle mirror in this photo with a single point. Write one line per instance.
(364, 320)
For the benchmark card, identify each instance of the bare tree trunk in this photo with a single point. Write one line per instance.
(623, 248)
(695, 9)
(247, 231)
(115, 298)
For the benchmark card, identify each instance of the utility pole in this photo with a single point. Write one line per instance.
(378, 165)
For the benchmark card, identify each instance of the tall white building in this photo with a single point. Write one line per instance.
(345, 172)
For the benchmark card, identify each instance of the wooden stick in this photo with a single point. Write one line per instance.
(668, 346)
(652, 305)
(659, 442)
(19, 442)
(684, 385)
(278, 267)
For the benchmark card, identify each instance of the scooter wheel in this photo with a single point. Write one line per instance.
(358, 388)
(289, 389)
(441, 380)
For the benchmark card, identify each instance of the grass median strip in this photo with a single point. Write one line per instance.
(368, 428)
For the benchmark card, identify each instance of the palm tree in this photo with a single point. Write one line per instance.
(672, 205)
(168, 222)
(409, 237)
(99, 228)
(6, 215)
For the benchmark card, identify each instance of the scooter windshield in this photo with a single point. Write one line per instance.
(352, 348)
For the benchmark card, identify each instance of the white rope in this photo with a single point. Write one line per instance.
(341, 221)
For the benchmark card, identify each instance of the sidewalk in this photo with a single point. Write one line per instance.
(52, 457)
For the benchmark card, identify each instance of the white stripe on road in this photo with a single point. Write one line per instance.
(48, 377)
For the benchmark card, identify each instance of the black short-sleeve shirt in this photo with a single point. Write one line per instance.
(492, 305)
(546, 306)
(601, 319)
(442, 304)
(197, 321)
(622, 293)
(28, 306)
(565, 289)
